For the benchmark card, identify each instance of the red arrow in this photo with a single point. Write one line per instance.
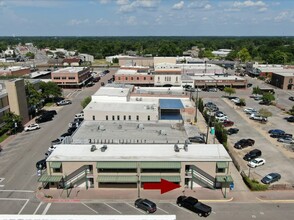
(164, 186)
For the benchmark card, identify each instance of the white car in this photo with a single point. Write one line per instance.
(32, 127)
(236, 100)
(256, 162)
(222, 118)
(257, 117)
(249, 110)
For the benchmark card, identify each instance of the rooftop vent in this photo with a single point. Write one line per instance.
(101, 128)
(186, 147)
(162, 132)
(103, 149)
(176, 148)
(93, 148)
(140, 126)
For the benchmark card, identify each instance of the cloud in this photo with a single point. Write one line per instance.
(35, 3)
(262, 9)
(200, 4)
(282, 16)
(104, 1)
(2, 4)
(248, 3)
(204, 19)
(132, 20)
(138, 4)
(178, 6)
(122, 2)
(75, 22)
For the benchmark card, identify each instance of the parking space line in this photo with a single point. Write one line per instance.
(46, 209)
(24, 191)
(23, 206)
(112, 208)
(182, 208)
(13, 199)
(41, 203)
(162, 210)
(136, 208)
(90, 208)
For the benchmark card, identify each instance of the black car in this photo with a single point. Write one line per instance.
(265, 103)
(146, 205)
(291, 98)
(194, 205)
(197, 139)
(232, 131)
(71, 130)
(252, 154)
(285, 135)
(41, 165)
(44, 118)
(244, 143)
(290, 119)
(66, 134)
(271, 178)
(49, 113)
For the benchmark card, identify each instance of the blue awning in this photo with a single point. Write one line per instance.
(170, 104)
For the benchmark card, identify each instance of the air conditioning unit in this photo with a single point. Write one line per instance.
(176, 148)
(93, 148)
(103, 149)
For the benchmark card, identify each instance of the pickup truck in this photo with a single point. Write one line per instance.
(194, 205)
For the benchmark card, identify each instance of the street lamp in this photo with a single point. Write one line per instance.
(226, 179)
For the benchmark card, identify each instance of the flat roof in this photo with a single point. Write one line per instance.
(139, 152)
(112, 91)
(285, 73)
(171, 104)
(131, 132)
(69, 70)
(123, 106)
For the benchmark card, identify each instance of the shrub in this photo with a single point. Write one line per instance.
(253, 184)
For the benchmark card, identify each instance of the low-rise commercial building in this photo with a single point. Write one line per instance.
(71, 77)
(14, 71)
(134, 75)
(283, 79)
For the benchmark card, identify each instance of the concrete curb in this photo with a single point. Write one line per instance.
(275, 200)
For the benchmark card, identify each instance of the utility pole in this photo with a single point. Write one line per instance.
(196, 104)
(207, 132)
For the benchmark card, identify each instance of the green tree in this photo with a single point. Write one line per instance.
(200, 105)
(244, 55)
(229, 90)
(30, 55)
(268, 97)
(278, 57)
(33, 96)
(265, 113)
(86, 101)
(291, 111)
(13, 122)
(256, 90)
(233, 55)
(115, 60)
(50, 90)
(242, 102)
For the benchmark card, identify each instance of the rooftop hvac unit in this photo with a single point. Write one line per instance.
(140, 126)
(101, 128)
(137, 99)
(140, 98)
(186, 147)
(103, 149)
(147, 107)
(162, 132)
(93, 148)
(176, 148)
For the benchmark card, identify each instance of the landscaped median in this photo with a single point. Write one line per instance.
(253, 184)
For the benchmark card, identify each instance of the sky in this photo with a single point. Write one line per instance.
(146, 18)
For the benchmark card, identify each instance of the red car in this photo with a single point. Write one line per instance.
(228, 123)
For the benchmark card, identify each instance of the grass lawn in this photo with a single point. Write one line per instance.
(100, 61)
(3, 137)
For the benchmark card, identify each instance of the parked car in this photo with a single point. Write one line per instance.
(32, 127)
(244, 143)
(79, 115)
(227, 123)
(63, 102)
(57, 141)
(256, 162)
(219, 114)
(212, 90)
(285, 135)
(236, 100)
(194, 205)
(90, 84)
(146, 205)
(265, 103)
(252, 154)
(71, 130)
(256, 95)
(258, 98)
(271, 178)
(197, 139)
(96, 79)
(50, 112)
(286, 140)
(44, 118)
(221, 118)
(276, 131)
(250, 110)
(232, 131)
(258, 117)
(290, 119)
(291, 98)
(41, 164)
(209, 104)
(66, 134)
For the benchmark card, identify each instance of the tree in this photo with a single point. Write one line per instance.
(86, 101)
(242, 102)
(200, 105)
(115, 60)
(50, 90)
(268, 97)
(291, 111)
(256, 90)
(229, 90)
(278, 57)
(33, 96)
(30, 55)
(12, 122)
(232, 55)
(265, 113)
(244, 55)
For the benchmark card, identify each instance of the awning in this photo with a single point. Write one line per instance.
(55, 165)
(222, 179)
(160, 165)
(116, 165)
(117, 179)
(49, 179)
(170, 104)
(222, 165)
(154, 179)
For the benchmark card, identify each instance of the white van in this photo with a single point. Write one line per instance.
(80, 115)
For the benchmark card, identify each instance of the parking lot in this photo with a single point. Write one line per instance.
(279, 156)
